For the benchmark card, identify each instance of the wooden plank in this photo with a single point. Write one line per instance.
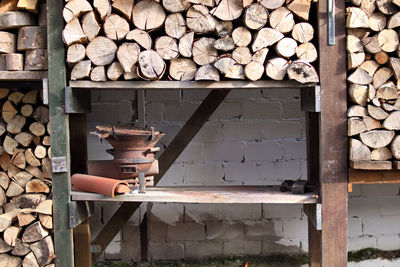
(373, 177)
(174, 149)
(333, 139)
(82, 255)
(63, 239)
(24, 75)
(204, 194)
(371, 165)
(187, 85)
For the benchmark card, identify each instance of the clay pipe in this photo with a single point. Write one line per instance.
(97, 184)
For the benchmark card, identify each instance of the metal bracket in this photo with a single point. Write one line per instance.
(45, 86)
(77, 100)
(78, 212)
(59, 164)
(311, 99)
(314, 214)
(331, 22)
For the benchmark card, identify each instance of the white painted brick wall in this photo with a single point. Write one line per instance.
(255, 137)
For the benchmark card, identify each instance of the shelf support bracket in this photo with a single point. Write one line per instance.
(78, 213)
(314, 214)
(311, 99)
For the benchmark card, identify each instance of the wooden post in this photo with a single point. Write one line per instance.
(60, 135)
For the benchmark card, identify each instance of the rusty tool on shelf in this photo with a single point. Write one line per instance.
(297, 187)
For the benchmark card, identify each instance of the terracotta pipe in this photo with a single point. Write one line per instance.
(97, 184)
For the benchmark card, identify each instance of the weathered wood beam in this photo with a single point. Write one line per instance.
(172, 152)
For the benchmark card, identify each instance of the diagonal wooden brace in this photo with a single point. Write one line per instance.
(171, 153)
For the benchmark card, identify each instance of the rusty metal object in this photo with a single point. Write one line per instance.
(96, 184)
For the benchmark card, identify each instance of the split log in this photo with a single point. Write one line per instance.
(25, 219)
(75, 53)
(20, 248)
(276, 68)
(9, 261)
(394, 21)
(358, 151)
(387, 107)
(208, 73)
(73, 33)
(353, 44)
(37, 186)
(128, 55)
(43, 250)
(388, 40)
(265, 38)
(16, 97)
(98, 74)
(114, 71)
(354, 60)
(394, 147)
(22, 178)
(34, 171)
(356, 18)
(15, 125)
(14, 190)
(36, 59)
(4, 92)
(7, 42)
(381, 57)
(395, 64)
(371, 44)
(225, 44)
(386, 7)
(302, 72)
(75, 8)
(175, 25)
(148, 15)
(175, 6)
(392, 122)
(166, 47)
(18, 159)
(151, 65)
(12, 170)
(28, 5)
(371, 123)
(101, 51)
(182, 69)
(377, 138)
(272, 4)
(286, 47)
(377, 21)
(300, 8)
(307, 52)
(9, 144)
(381, 76)
(4, 247)
(254, 70)
(3, 198)
(124, 7)
(131, 75)
(103, 8)
(360, 76)
(24, 138)
(46, 168)
(242, 55)
(140, 37)
(32, 37)
(16, 19)
(224, 63)
(223, 28)
(199, 19)
(14, 61)
(81, 70)
(241, 36)
(358, 94)
(10, 235)
(235, 72)
(4, 161)
(90, 26)
(46, 221)
(368, 6)
(116, 27)
(387, 93)
(370, 67)
(260, 55)
(377, 113)
(34, 232)
(228, 10)
(303, 32)
(45, 207)
(281, 19)
(204, 52)
(4, 181)
(37, 129)
(255, 16)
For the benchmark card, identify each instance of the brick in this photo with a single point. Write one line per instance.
(154, 112)
(170, 130)
(127, 249)
(234, 212)
(282, 211)
(295, 229)
(170, 213)
(209, 133)
(294, 149)
(194, 95)
(203, 212)
(381, 225)
(263, 151)
(193, 153)
(240, 131)
(167, 251)
(242, 173)
(227, 151)
(292, 109)
(263, 230)
(178, 111)
(262, 110)
(157, 231)
(186, 231)
(242, 248)
(224, 231)
(203, 249)
(356, 191)
(354, 226)
(109, 96)
(281, 93)
(203, 174)
(281, 130)
(362, 207)
(244, 94)
(174, 175)
(163, 95)
(283, 245)
(389, 206)
(106, 113)
(281, 170)
(228, 111)
(388, 242)
(358, 243)
(369, 190)
(97, 149)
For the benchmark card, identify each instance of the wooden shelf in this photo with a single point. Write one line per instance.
(22, 75)
(144, 85)
(204, 194)
(372, 177)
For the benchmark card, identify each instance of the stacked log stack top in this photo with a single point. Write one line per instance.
(23, 37)
(373, 65)
(190, 40)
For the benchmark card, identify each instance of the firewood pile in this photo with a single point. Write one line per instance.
(23, 35)
(25, 181)
(373, 65)
(190, 40)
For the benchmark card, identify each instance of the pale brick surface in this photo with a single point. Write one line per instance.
(242, 247)
(167, 213)
(244, 94)
(281, 130)
(263, 151)
(203, 249)
(174, 175)
(287, 247)
(382, 225)
(192, 154)
(108, 96)
(239, 131)
(210, 133)
(355, 226)
(387, 242)
(186, 231)
(282, 211)
(246, 173)
(233, 212)
(361, 242)
(228, 111)
(179, 112)
(281, 93)
(294, 149)
(127, 249)
(292, 109)
(194, 94)
(363, 207)
(389, 206)
(166, 251)
(262, 110)
(157, 231)
(379, 189)
(225, 231)
(163, 95)
(201, 213)
(227, 151)
(153, 112)
(295, 228)
(263, 230)
(203, 174)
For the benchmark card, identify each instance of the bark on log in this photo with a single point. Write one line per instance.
(32, 37)
(43, 250)
(302, 72)
(224, 44)
(255, 16)
(14, 61)
(16, 19)
(386, 7)
(33, 233)
(36, 59)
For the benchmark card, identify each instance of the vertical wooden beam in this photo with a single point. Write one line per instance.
(333, 139)
(82, 245)
(59, 134)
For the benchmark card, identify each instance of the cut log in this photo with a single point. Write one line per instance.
(358, 151)
(265, 38)
(75, 53)
(358, 94)
(300, 8)
(377, 113)
(204, 52)
(14, 190)
(30, 260)
(98, 74)
(16, 19)
(46, 168)
(223, 28)
(381, 76)
(371, 123)
(40, 152)
(302, 72)
(41, 114)
(37, 186)
(2, 128)
(32, 37)
(360, 76)
(28, 5)
(14, 61)
(75, 9)
(377, 21)
(199, 19)
(272, 4)
(46, 141)
(242, 55)
(31, 158)
(286, 47)
(182, 69)
(387, 93)
(9, 261)
(27, 202)
(175, 25)
(34, 171)
(225, 44)
(24, 138)
(235, 72)
(140, 37)
(395, 64)
(131, 75)
(4, 92)
(4, 247)
(387, 107)
(15, 125)
(10, 235)
(18, 159)
(381, 57)
(8, 111)
(207, 73)
(128, 55)
(175, 6)
(394, 147)
(4, 161)
(370, 67)
(356, 18)
(90, 26)
(260, 55)
(36, 59)
(388, 40)
(45, 207)
(25, 219)
(46, 221)
(3, 198)
(114, 71)
(371, 44)
(4, 181)
(21, 249)
(124, 7)
(103, 8)
(241, 36)
(34, 232)
(9, 144)
(7, 42)
(276, 68)
(303, 32)
(355, 59)
(167, 47)
(368, 6)
(151, 65)
(185, 44)
(255, 16)
(116, 27)
(43, 250)
(228, 10)
(394, 21)
(307, 52)
(377, 138)
(224, 63)
(8, 5)
(73, 33)
(254, 70)
(386, 7)
(353, 44)
(371, 165)
(101, 51)
(281, 19)
(148, 15)
(12, 170)
(392, 122)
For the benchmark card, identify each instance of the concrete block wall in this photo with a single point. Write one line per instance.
(256, 137)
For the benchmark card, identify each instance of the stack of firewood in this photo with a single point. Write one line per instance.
(373, 74)
(190, 40)
(25, 181)
(23, 35)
